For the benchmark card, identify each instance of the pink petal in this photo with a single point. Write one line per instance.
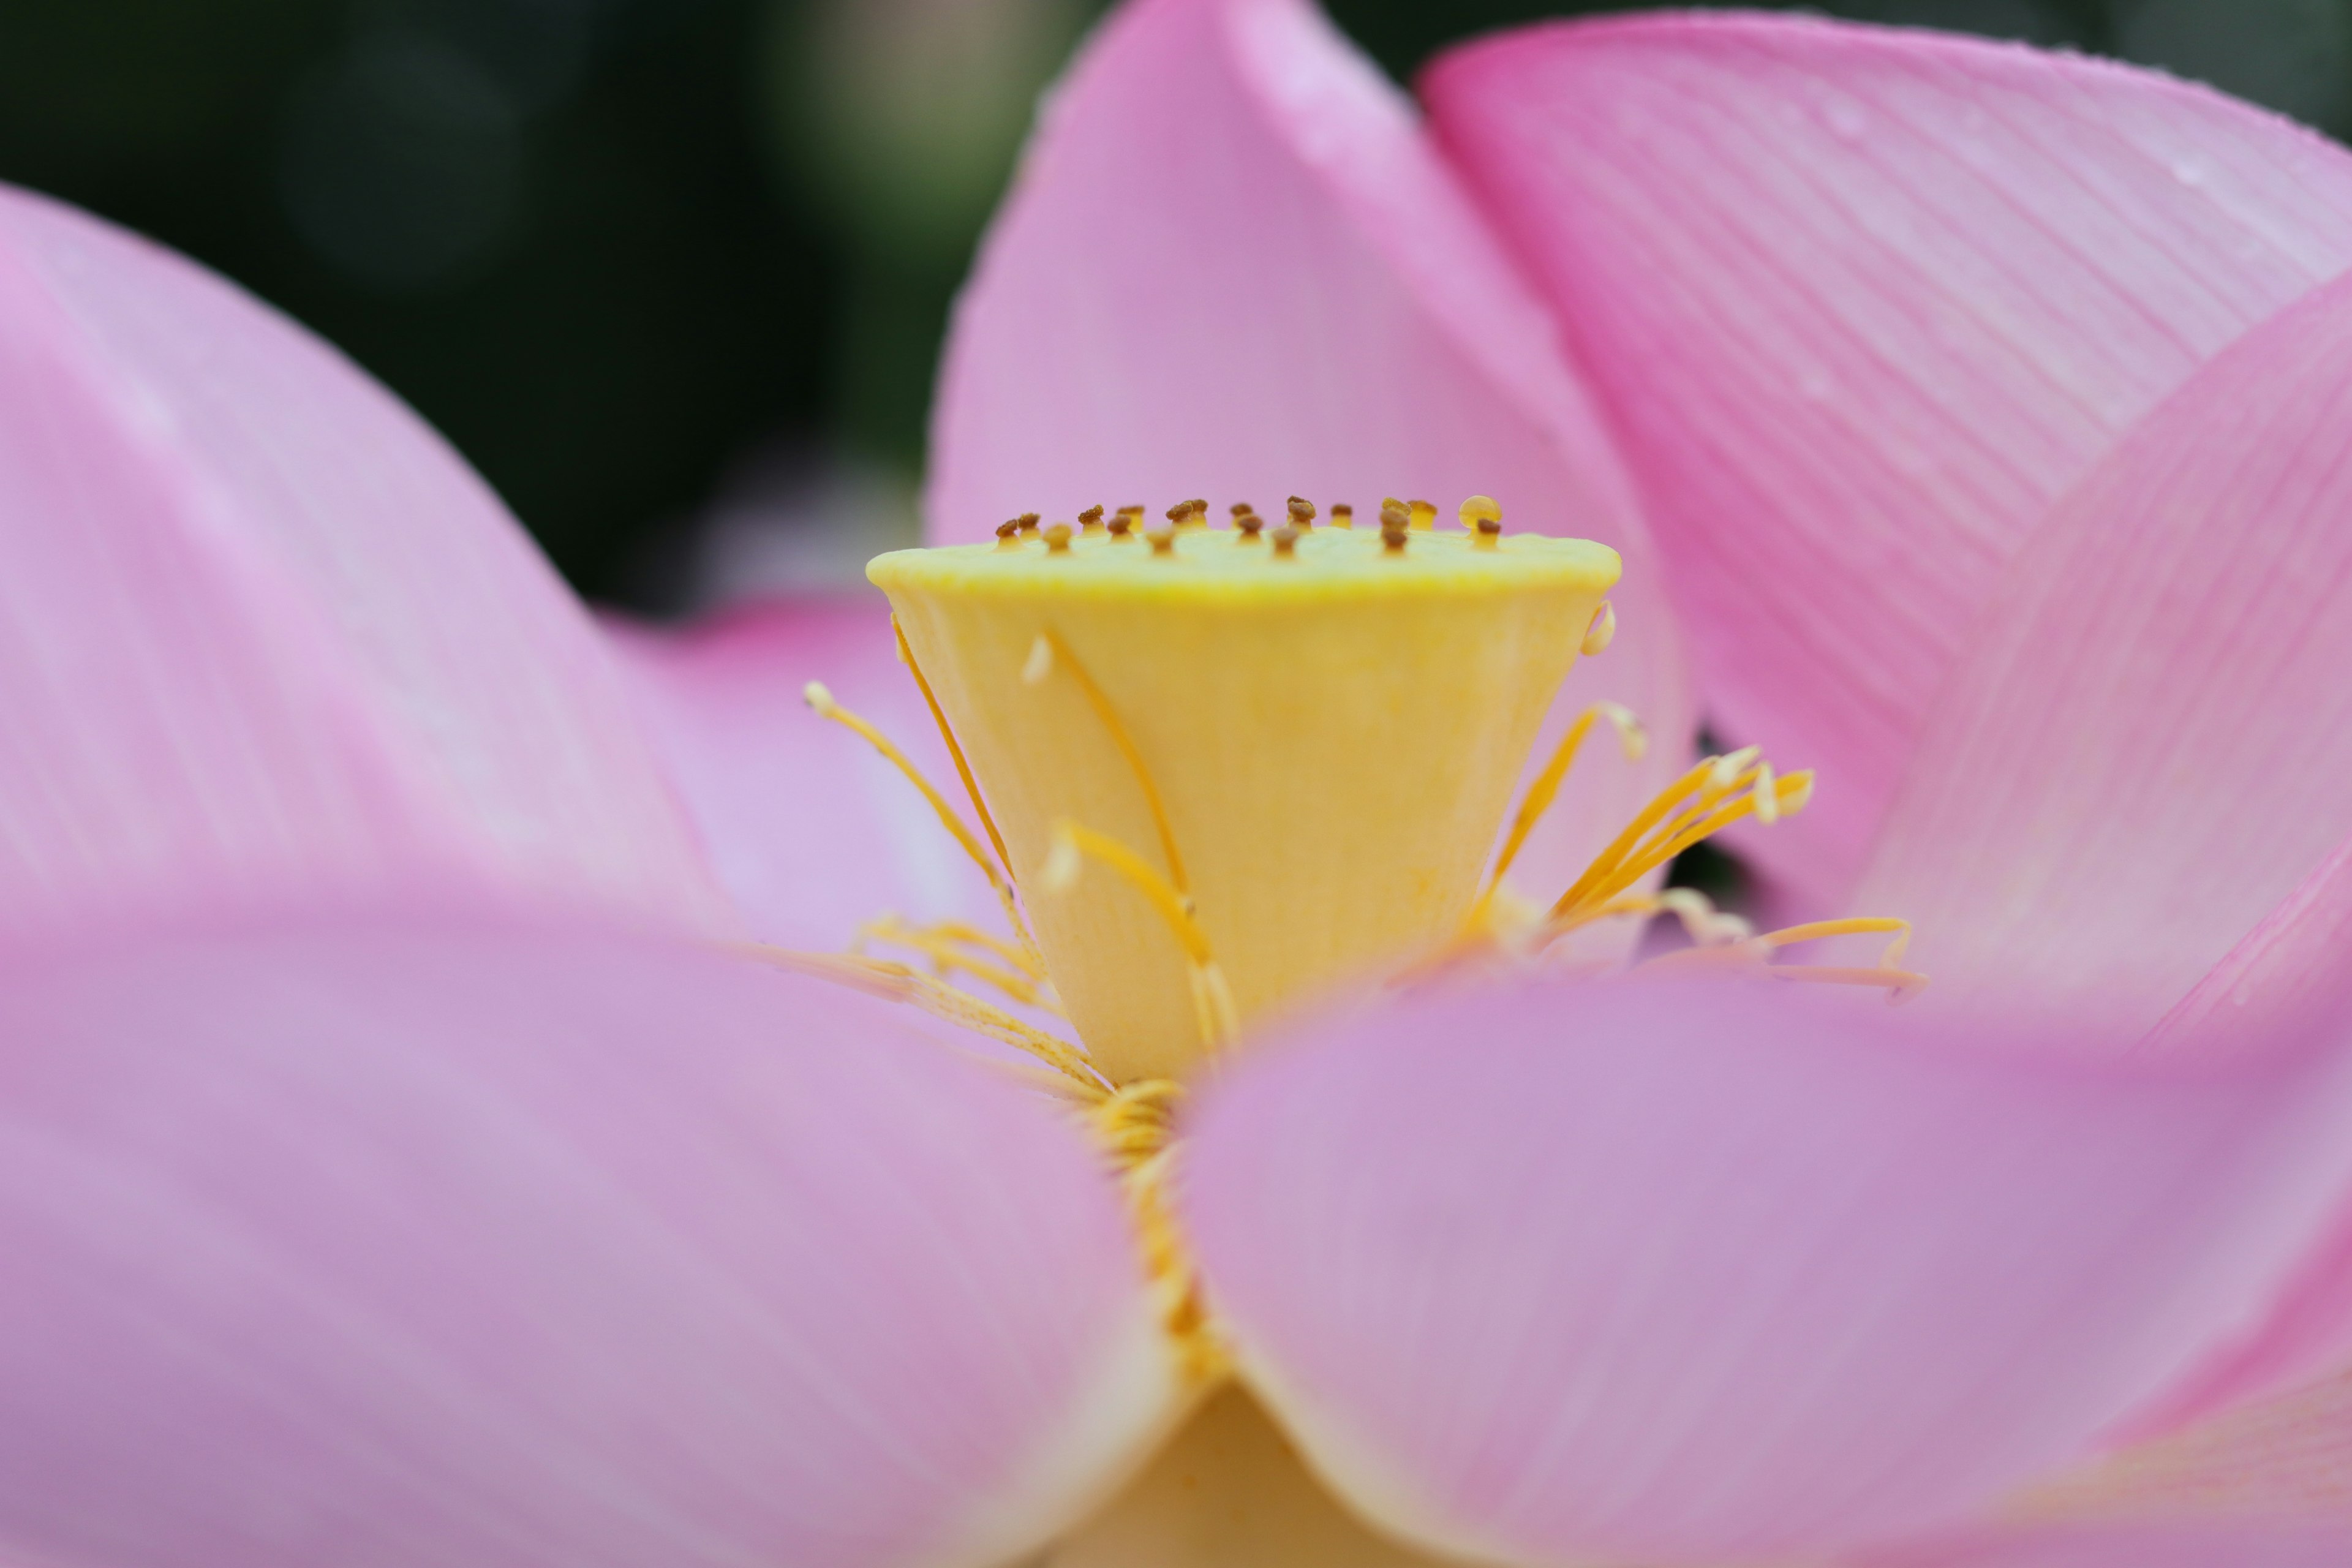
(1232, 267)
(1705, 1273)
(2145, 751)
(1865, 302)
(2247, 1545)
(809, 829)
(260, 627)
(397, 1240)
(2291, 962)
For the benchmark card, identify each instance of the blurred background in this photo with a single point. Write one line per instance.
(674, 273)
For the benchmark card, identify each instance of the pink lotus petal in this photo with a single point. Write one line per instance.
(260, 627)
(2146, 751)
(1704, 1273)
(2291, 962)
(2245, 1545)
(1232, 266)
(407, 1240)
(1863, 302)
(806, 824)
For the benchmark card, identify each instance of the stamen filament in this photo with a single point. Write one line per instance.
(1059, 653)
(1213, 1001)
(998, 879)
(1546, 787)
(947, 956)
(895, 982)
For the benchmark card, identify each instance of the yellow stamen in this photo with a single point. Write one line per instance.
(1630, 736)
(947, 946)
(1424, 514)
(963, 768)
(897, 982)
(1049, 651)
(1000, 880)
(1213, 1000)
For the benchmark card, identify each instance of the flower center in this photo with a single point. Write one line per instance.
(1280, 757)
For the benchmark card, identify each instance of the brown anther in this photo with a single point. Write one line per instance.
(1489, 534)
(1163, 539)
(1008, 535)
(1301, 510)
(1343, 515)
(1091, 519)
(1241, 509)
(1424, 513)
(1058, 539)
(1249, 523)
(1134, 513)
(1177, 514)
(1198, 514)
(1394, 515)
(1027, 521)
(1394, 531)
(1286, 541)
(1120, 523)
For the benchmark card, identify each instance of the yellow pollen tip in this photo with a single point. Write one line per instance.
(1058, 539)
(1602, 631)
(1478, 509)
(1163, 539)
(815, 695)
(1091, 519)
(1343, 515)
(1285, 543)
(1768, 794)
(1423, 515)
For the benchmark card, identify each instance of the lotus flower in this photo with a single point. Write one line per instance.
(411, 1152)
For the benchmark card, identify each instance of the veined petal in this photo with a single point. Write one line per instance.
(809, 829)
(1232, 267)
(1864, 303)
(412, 1238)
(260, 628)
(1696, 1273)
(2145, 751)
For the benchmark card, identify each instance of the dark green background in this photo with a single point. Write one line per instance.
(618, 249)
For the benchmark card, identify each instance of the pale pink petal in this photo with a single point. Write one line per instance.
(445, 1240)
(2145, 748)
(809, 829)
(2245, 1545)
(260, 627)
(1864, 303)
(1232, 266)
(2291, 962)
(1729, 1273)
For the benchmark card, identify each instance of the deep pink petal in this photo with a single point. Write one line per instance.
(810, 830)
(1698, 1273)
(404, 1241)
(2147, 747)
(2249, 1545)
(260, 627)
(1864, 303)
(1232, 267)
